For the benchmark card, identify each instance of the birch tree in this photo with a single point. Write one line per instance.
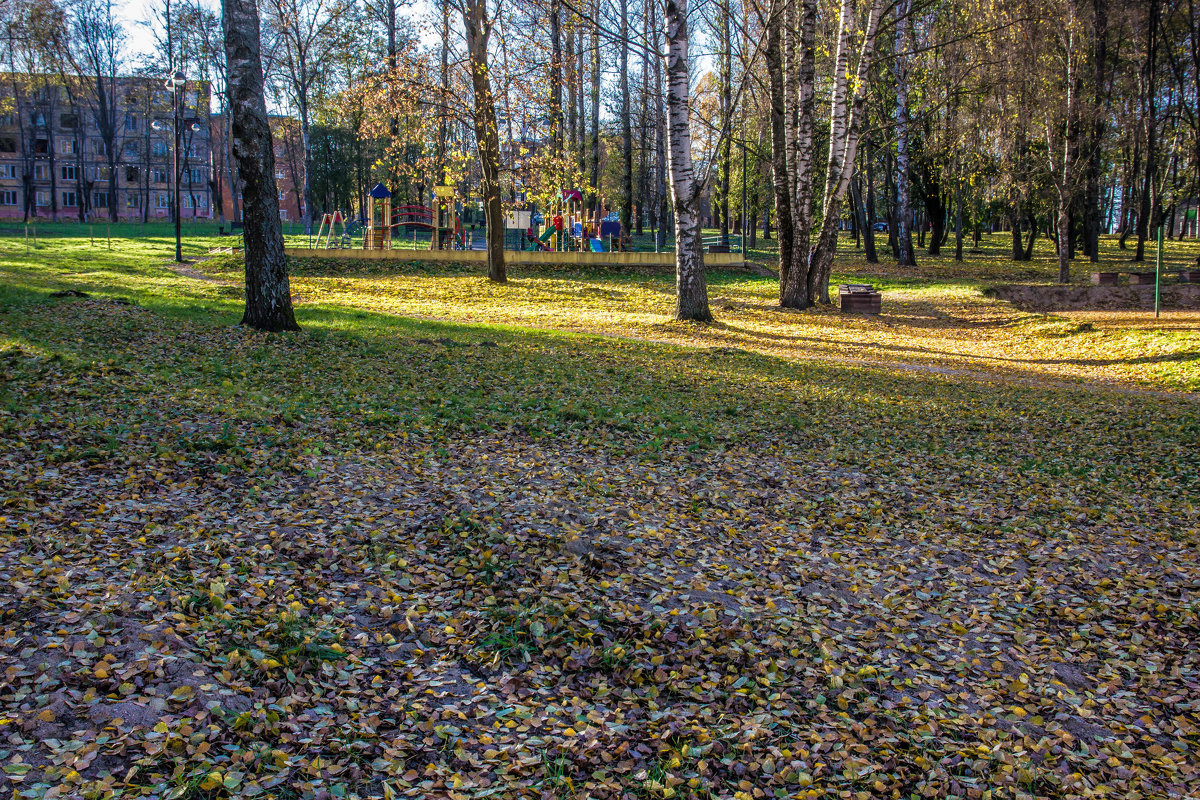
(845, 119)
(691, 289)
(268, 292)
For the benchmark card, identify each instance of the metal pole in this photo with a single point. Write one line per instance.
(1158, 271)
(175, 130)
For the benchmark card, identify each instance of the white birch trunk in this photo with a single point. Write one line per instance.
(795, 291)
(845, 121)
(691, 290)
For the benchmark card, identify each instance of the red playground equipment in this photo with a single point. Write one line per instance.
(443, 222)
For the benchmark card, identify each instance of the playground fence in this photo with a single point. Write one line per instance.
(416, 239)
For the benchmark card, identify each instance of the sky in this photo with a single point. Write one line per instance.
(133, 14)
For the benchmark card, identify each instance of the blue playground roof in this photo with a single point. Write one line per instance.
(380, 191)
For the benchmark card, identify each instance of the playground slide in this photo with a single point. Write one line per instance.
(597, 245)
(542, 242)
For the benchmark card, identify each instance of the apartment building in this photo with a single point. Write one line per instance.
(289, 166)
(58, 162)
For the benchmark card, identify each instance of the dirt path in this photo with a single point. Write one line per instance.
(188, 271)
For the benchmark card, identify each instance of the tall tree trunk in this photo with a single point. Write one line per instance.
(660, 138)
(268, 293)
(958, 223)
(1063, 173)
(1147, 85)
(1018, 250)
(643, 178)
(1033, 231)
(796, 290)
(626, 124)
(691, 289)
(773, 57)
(479, 29)
(556, 82)
(572, 136)
(904, 210)
(581, 71)
(935, 209)
(725, 79)
(845, 115)
(595, 177)
(1096, 129)
(869, 230)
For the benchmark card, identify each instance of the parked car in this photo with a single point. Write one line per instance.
(881, 226)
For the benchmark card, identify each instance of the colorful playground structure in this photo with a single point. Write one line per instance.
(570, 230)
(565, 226)
(442, 221)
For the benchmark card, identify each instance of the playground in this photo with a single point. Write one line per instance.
(566, 234)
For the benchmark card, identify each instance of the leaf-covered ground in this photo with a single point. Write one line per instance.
(398, 557)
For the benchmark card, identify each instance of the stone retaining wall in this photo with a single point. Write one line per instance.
(1100, 298)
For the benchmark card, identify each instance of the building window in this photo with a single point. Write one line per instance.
(42, 199)
(68, 121)
(41, 147)
(8, 171)
(131, 149)
(8, 145)
(67, 171)
(160, 176)
(132, 174)
(131, 122)
(101, 148)
(160, 148)
(278, 174)
(7, 119)
(103, 173)
(38, 119)
(196, 175)
(41, 172)
(67, 147)
(283, 213)
(68, 199)
(133, 201)
(100, 200)
(162, 200)
(8, 197)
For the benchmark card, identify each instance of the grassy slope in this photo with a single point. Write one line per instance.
(462, 557)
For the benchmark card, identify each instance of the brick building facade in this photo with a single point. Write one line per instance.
(54, 157)
(289, 166)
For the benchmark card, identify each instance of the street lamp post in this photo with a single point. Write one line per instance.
(158, 126)
(175, 84)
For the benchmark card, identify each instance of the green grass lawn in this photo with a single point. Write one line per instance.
(454, 540)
